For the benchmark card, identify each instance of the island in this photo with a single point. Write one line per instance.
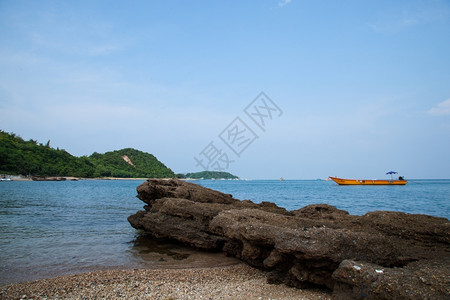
(207, 175)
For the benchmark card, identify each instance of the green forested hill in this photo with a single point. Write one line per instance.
(18, 156)
(30, 158)
(140, 164)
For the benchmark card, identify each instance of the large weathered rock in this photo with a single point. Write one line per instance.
(377, 256)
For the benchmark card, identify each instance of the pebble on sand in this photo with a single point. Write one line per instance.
(230, 282)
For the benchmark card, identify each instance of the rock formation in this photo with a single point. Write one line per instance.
(381, 255)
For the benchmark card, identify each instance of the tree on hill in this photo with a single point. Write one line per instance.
(29, 158)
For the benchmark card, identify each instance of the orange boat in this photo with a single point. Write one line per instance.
(341, 181)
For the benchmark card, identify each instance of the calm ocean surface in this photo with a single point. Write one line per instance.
(53, 228)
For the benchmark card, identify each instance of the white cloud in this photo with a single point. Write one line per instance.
(395, 23)
(442, 108)
(284, 2)
(409, 16)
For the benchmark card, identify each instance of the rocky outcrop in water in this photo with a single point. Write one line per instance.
(381, 255)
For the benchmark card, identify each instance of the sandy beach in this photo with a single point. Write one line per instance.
(231, 282)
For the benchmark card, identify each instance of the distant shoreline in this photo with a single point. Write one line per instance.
(72, 178)
(68, 178)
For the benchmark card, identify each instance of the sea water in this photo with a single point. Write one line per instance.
(53, 228)
(431, 197)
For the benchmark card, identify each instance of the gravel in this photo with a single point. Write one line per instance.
(230, 282)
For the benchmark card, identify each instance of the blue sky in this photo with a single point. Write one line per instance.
(363, 87)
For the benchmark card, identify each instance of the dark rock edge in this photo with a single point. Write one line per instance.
(380, 255)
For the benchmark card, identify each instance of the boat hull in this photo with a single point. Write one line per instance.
(342, 181)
